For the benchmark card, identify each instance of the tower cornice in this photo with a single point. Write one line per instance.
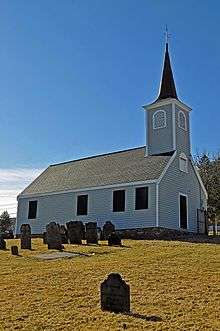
(168, 101)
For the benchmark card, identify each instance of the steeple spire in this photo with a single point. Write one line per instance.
(167, 87)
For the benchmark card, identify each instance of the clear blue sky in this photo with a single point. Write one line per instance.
(75, 73)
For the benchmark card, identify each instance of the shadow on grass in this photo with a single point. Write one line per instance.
(150, 318)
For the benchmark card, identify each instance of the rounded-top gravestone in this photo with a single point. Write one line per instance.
(115, 294)
(75, 233)
(108, 228)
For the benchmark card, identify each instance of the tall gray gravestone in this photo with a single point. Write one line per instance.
(115, 294)
(64, 234)
(108, 229)
(25, 230)
(91, 233)
(53, 236)
(2, 243)
(75, 232)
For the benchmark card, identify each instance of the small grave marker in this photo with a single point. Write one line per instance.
(115, 294)
(91, 233)
(114, 239)
(14, 250)
(2, 243)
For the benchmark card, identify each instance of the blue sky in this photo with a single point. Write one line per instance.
(75, 73)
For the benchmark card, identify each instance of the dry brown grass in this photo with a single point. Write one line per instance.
(175, 281)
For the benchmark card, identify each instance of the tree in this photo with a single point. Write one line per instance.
(5, 222)
(209, 169)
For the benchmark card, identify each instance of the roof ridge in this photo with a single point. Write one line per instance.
(94, 156)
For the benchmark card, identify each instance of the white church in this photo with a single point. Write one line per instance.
(152, 186)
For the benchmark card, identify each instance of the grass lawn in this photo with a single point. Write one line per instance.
(176, 282)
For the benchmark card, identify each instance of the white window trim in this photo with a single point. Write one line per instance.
(183, 157)
(181, 112)
(187, 210)
(165, 119)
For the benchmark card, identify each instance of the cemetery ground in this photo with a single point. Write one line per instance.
(174, 286)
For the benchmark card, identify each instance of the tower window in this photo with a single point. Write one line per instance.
(32, 210)
(183, 163)
(159, 119)
(182, 120)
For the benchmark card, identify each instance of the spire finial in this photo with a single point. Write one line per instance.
(167, 36)
(167, 85)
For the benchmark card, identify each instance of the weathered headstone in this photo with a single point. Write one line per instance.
(115, 294)
(45, 237)
(108, 228)
(64, 235)
(14, 250)
(53, 236)
(75, 234)
(25, 230)
(114, 239)
(91, 233)
(2, 243)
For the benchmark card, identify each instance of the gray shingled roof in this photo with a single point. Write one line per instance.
(108, 169)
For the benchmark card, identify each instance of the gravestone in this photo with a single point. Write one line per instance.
(2, 243)
(45, 237)
(91, 233)
(115, 294)
(108, 228)
(114, 239)
(75, 232)
(54, 236)
(64, 235)
(14, 250)
(25, 230)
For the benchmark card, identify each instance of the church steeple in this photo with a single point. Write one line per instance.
(167, 87)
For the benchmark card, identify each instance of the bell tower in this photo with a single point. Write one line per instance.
(167, 118)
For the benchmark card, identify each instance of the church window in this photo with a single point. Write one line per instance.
(119, 200)
(159, 119)
(182, 120)
(183, 163)
(141, 198)
(82, 204)
(32, 210)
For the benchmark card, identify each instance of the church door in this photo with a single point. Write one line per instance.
(183, 211)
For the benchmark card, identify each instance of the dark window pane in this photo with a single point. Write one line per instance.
(32, 210)
(119, 200)
(141, 201)
(183, 212)
(82, 204)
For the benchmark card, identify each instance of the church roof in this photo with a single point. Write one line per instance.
(167, 87)
(109, 169)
